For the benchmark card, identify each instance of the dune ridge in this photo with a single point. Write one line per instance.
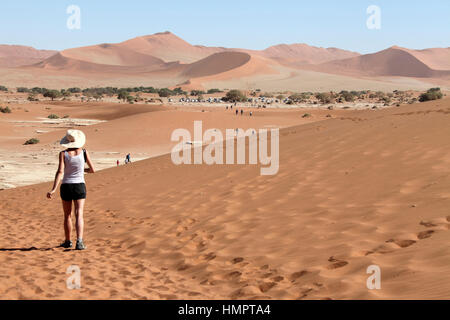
(164, 58)
(15, 55)
(394, 61)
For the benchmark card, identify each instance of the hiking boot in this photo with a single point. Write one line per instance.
(80, 245)
(66, 244)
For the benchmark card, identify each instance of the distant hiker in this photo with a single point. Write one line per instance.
(242, 112)
(71, 171)
(251, 113)
(227, 107)
(128, 159)
(231, 107)
(118, 163)
(237, 111)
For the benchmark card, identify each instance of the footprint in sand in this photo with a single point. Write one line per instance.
(238, 260)
(297, 275)
(336, 263)
(266, 286)
(425, 234)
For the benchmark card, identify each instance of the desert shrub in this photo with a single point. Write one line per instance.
(31, 141)
(431, 94)
(197, 93)
(347, 96)
(235, 96)
(53, 116)
(74, 90)
(5, 110)
(179, 91)
(300, 97)
(39, 90)
(123, 95)
(23, 90)
(52, 94)
(164, 93)
(32, 97)
(3, 88)
(306, 115)
(324, 97)
(211, 91)
(131, 99)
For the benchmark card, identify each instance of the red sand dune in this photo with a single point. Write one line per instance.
(216, 63)
(394, 61)
(112, 54)
(300, 54)
(435, 58)
(169, 48)
(14, 56)
(166, 58)
(63, 63)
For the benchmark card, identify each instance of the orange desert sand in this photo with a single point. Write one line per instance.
(362, 188)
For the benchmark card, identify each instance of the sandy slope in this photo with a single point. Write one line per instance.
(14, 55)
(301, 54)
(368, 187)
(394, 61)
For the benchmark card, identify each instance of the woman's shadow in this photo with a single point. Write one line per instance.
(27, 249)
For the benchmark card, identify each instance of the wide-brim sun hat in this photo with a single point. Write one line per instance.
(73, 139)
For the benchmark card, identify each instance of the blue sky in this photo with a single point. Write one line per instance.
(248, 24)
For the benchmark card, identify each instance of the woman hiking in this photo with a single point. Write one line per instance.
(71, 171)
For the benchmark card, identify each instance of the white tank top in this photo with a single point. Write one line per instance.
(73, 168)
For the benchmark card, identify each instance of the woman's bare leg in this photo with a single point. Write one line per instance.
(67, 207)
(79, 211)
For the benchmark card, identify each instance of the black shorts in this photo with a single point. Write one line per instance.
(73, 191)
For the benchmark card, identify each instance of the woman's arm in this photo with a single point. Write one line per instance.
(89, 162)
(58, 175)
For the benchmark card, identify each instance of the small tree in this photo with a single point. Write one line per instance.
(431, 94)
(123, 95)
(324, 97)
(53, 94)
(235, 96)
(164, 93)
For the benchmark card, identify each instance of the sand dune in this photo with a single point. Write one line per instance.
(216, 63)
(302, 54)
(169, 47)
(364, 188)
(394, 61)
(435, 58)
(111, 54)
(14, 56)
(163, 59)
(65, 62)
